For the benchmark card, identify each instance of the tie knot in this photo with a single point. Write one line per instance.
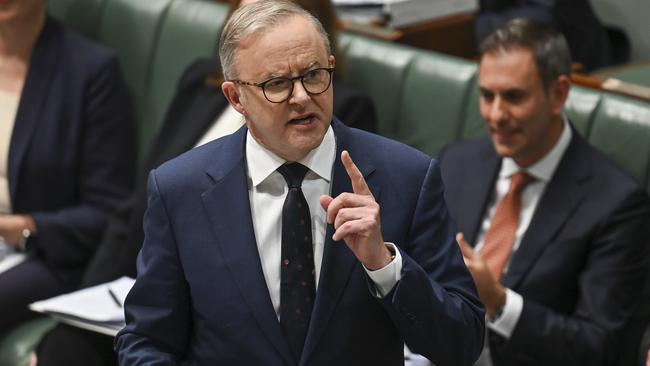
(293, 173)
(519, 180)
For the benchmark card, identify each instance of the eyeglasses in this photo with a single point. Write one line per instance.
(278, 90)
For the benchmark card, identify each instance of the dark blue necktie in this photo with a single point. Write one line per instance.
(297, 286)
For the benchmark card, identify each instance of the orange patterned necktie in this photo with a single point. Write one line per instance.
(501, 234)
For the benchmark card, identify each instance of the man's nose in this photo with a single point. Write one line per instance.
(496, 111)
(299, 95)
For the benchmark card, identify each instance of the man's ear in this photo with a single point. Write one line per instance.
(560, 93)
(231, 92)
(332, 61)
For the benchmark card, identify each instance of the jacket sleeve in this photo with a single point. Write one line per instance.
(435, 304)
(609, 288)
(104, 178)
(160, 297)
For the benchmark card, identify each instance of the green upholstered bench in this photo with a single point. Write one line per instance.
(154, 39)
(423, 98)
(17, 345)
(428, 100)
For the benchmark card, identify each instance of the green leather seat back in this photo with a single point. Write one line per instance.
(131, 28)
(16, 346)
(82, 16)
(621, 130)
(344, 41)
(378, 68)
(190, 30)
(433, 102)
(635, 74)
(472, 123)
(581, 108)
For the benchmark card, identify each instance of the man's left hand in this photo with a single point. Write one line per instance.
(356, 219)
(491, 292)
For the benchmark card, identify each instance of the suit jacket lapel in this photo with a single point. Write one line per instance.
(477, 189)
(338, 260)
(561, 197)
(42, 67)
(228, 209)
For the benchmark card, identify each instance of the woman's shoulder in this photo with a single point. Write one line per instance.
(75, 48)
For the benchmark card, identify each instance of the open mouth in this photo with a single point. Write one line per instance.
(305, 120)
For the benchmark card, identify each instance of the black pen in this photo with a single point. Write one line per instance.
(115, 298)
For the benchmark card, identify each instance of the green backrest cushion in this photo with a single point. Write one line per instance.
(131, 28)
(635, 74)
(472, 123)
(434, 101)
(190, 30)
(82, 16)
(581, 108)
(344, 41)
(378, 68)
(16, 346)
(621, 129)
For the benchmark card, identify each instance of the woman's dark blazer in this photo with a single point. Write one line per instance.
(73, 146)
(192, 112)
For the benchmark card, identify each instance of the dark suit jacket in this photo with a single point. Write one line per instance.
(69, 164)
(201, 296)
(192, 112)
(586, 36)
(72, 148)
(581, 263)
(195, 107)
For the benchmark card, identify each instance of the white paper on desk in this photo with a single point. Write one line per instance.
(93, 304)
(10, 257)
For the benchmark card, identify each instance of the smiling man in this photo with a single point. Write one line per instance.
(272, 247)
(554, 234)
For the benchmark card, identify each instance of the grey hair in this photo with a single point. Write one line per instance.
(257, 17)
(549, 47)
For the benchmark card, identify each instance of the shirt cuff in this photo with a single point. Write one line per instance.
(386, 278)
(506, 323)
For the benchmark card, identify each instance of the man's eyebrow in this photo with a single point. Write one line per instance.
(309, 66)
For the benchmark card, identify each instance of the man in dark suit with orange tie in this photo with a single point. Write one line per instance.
(271, 246)
(553, 232)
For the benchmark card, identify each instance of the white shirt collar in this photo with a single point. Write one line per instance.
(544, 168)
(261, 162)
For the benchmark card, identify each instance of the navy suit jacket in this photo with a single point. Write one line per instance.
(200, 296)
(582, 261)
(72, 148)
(195, 107)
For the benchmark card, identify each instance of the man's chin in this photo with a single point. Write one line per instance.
(503, 150)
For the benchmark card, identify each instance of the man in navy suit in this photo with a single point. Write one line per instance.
(386, 269)
(575, 263)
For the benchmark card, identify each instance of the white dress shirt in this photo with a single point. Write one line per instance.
(542, 172)
(8, 110)
(267, 191)
(228, 122)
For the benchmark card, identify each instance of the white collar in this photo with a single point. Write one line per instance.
(261, 162)
(544, 168)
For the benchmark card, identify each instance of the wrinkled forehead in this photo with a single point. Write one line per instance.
(287, 28)
(294, 42)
